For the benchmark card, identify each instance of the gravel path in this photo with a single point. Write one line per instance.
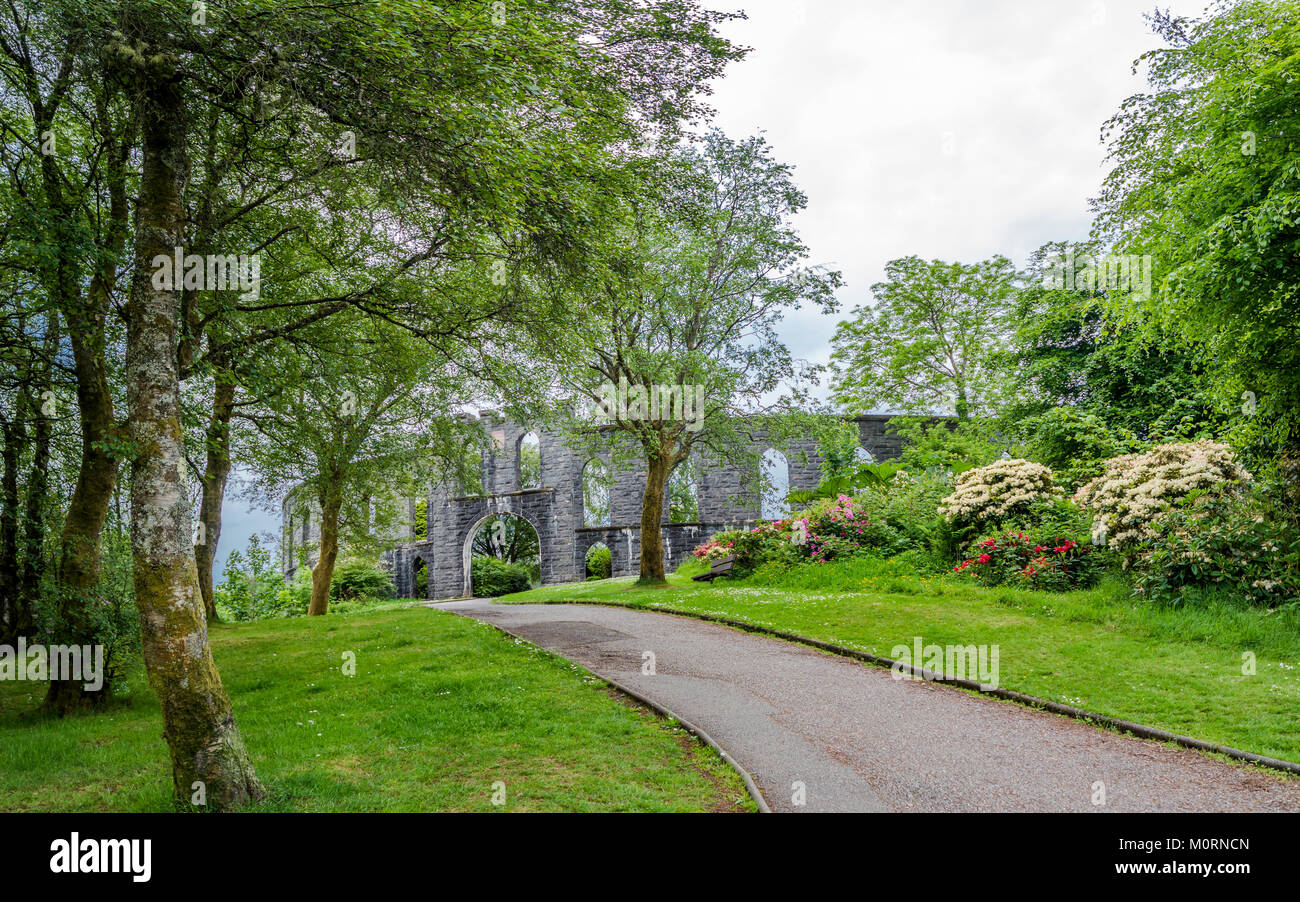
(847, 737)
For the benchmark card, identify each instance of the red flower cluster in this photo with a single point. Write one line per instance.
(1013, 549)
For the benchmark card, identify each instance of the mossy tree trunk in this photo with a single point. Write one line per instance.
(77, 565)
(216, 473)
(660, 463)
(198, 721)
(331, 501)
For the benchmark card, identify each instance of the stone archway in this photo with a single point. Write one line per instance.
(420, 571)
(467, 544)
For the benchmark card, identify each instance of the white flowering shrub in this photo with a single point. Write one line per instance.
(998, 491)
(1135, 489)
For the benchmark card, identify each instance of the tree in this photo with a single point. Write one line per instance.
(930, 343)
(680, 342)
(509, 538)
(362, 416)
(73, 129)
(1204, 180)
(206, 746)
(1067, 350)
(485, 137)
(482, 135)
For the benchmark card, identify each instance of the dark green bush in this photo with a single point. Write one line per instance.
(1208, 541)
(493, 577)
(361, 579)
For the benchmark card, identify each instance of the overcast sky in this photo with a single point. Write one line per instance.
(949, 129)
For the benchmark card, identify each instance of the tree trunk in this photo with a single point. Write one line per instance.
(77, 565)
(198, 721)
(652, 512)
(963, 405)
(38, 487)
(14, 434)
(215, 475)
(323, 573)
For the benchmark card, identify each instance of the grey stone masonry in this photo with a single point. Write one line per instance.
(727, 499)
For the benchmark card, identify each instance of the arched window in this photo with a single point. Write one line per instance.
(469, 481)
(776, 485)
(683, 502)
(420, 520)
(530, 461)
(863, 456)
(419, 579)
(596, 484)
(600, 562)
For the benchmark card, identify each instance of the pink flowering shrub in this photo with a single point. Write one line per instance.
(831, 529)
(750, 547)
(842, 528)
(715, 549)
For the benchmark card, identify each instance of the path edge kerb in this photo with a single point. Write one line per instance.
(1127, 726)
(750, 786)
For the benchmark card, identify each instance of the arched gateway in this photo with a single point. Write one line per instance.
(436, 558)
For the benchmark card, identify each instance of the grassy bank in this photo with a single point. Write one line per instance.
(440, 708)
(1177, 669)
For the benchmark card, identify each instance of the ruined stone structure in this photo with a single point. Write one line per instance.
(555, 509)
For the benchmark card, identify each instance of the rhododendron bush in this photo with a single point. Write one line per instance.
(834, 528)
(750, 547)
(1017, 558)
(1247, 543)
(998, 491)
(841, 528)
(1136, 489)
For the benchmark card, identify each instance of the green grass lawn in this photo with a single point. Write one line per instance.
(440, 708)
(1179, 669)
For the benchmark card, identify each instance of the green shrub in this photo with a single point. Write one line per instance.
(908, 502)
(1211, 542)
(493, 577)
(361, 579)
(252, 587)
(1075, 445)
(107, 613)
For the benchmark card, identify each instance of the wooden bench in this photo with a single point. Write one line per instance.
(720, 566)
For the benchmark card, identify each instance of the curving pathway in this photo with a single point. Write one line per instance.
(842, 736)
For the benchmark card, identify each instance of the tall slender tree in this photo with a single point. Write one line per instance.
(681, 349)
